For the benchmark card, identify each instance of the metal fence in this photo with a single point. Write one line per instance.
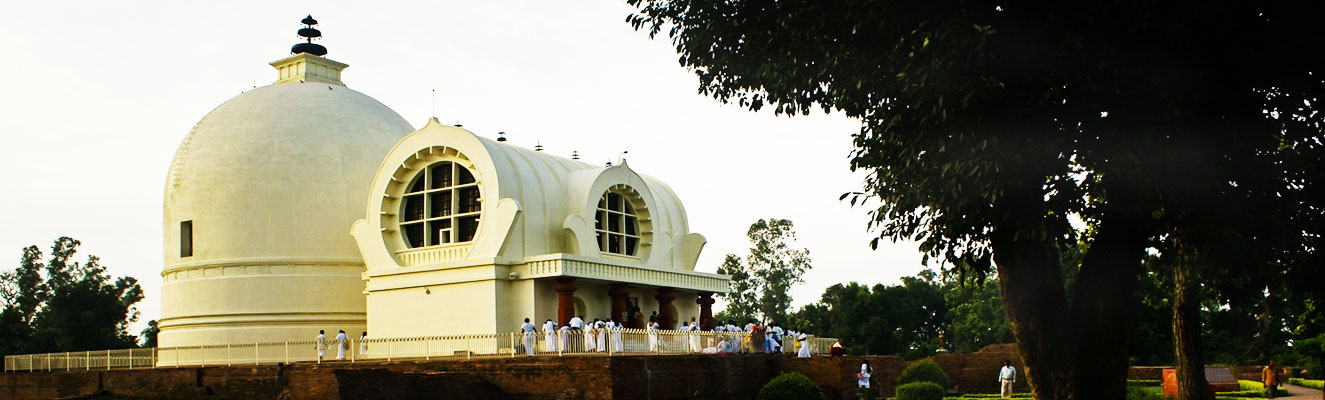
(608, 342)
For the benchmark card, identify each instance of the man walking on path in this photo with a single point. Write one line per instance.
(1270, 379)
(1006, 376)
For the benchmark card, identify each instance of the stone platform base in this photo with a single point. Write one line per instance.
(572, 377)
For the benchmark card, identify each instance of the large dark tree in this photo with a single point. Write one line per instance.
(986, 124)
(64, 305)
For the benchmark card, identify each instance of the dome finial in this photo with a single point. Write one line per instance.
(308, 33)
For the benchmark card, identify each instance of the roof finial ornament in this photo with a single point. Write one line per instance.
(501, 136)
(574, 155)
(609, 163)
(538, 146)
(308, 32)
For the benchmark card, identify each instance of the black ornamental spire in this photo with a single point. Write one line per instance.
(308, 33)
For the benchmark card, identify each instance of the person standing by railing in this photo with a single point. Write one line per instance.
(363, 344)
(565, 336)
(652, 329)
(342, 344)
(527, 330)
(319, 345)
(550, 336)
(589, 339)
(616, 334)
(600, 329)
(694, 336)
(804, 341)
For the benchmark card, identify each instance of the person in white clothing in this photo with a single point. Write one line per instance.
(863, 378)
(804, 341)
(590, 340)
(550, 336)
(1006, 377)
(527, 333)
(616, 335)
(363, 343)
(565, 337)
(694, 336)
(576, 323)
(652, 329)
(600, 334)
(342, 344)
(320, 344)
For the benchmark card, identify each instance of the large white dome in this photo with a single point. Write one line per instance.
(258, 206)
(282, 170)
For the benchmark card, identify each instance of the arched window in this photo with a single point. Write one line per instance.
(441, 206)
(617, 225)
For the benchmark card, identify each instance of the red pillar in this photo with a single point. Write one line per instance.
(666, 319)
(619, 292)
(705, 301)
(565, 289)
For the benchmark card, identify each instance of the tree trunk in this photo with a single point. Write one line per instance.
(1102, 304)
(1187, 327)
(1032, 286)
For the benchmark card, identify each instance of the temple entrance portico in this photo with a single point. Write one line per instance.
(620, 292)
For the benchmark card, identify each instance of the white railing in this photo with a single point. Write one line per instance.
(614, 342)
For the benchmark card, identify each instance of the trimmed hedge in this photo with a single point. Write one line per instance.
(1251, 389)
(924, 371)
(790, 386)
(919, 391)
(1311, 383)
(1142, 393)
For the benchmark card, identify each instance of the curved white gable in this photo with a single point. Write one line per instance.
(533, 204)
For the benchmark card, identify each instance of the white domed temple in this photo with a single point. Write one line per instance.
(305, 205)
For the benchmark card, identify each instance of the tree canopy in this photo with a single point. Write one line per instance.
(760, 284)
(64, 305)
(988, 125)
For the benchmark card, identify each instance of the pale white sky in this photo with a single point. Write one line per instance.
(97, 95)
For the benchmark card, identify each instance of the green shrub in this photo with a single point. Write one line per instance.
(1143, 393)
(924, 371)
(790, 386)
(1251, 389)
(919, 391)
(1143, 382)
(1311, 383)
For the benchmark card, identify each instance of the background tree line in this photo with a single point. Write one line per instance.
(64, 305)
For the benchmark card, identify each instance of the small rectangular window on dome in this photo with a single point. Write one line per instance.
(186, 239)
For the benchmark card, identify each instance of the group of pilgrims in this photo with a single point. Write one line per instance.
(580, 336)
